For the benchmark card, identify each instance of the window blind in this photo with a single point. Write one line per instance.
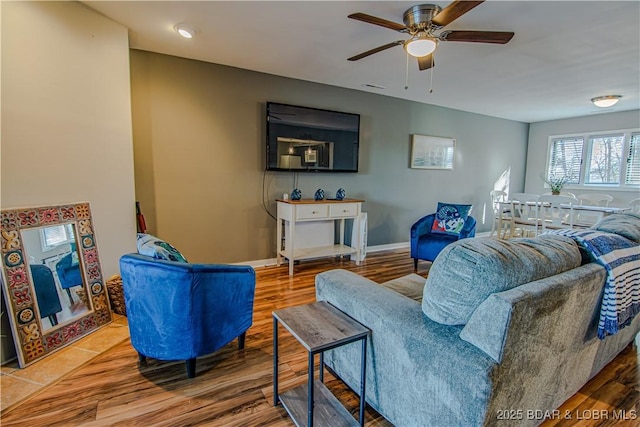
(566, 159)
(632, 177)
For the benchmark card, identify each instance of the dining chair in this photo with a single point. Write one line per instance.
(524, 220)
(595, 199)
(555, 212)
(635, 206)
(501, 214)
(586, 219)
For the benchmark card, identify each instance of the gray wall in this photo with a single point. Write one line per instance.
(199, 139)
(540, 132)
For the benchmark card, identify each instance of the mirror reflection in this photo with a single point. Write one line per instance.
(56, 273)
(52, 279)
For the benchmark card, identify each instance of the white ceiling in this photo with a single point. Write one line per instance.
(562, 55)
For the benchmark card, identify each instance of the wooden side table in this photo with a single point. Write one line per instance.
(318, 326)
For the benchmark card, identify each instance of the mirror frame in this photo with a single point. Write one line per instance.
(31, 341)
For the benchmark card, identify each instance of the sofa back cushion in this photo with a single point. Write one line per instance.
(624, 224)
(468, 271)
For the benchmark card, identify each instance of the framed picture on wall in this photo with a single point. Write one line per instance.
(432, 152)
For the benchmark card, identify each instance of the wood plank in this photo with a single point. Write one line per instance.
(319, 326)
(327, 410)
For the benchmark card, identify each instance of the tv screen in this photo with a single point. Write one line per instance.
(303, 139)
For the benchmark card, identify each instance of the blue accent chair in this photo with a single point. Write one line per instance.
(180, 311)
(426, 245)
(46, 294)
(69, 273)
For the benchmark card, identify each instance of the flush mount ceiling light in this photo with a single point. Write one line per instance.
(185, 31)
(606, 101)
(420, 45)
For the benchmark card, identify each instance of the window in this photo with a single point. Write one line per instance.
(596, 159)
(632, 176)
(566, 158)
(605, 159)
(57, 235)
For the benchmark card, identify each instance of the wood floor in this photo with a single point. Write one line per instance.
(234, 388)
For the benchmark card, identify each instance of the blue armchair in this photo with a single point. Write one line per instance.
(180, 311)
(46, 294)
(69, 273)
(426, 245)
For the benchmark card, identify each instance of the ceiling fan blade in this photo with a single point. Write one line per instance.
(426, 62)
(498, 37)
(375, 50)
(377, 21)
(454, 11)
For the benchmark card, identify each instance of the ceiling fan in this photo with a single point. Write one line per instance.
(423, 23)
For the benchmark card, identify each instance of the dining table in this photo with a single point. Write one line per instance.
(583, 215)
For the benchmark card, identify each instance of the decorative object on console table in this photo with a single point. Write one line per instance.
(341, 194)
(319, 194)
(296, 194)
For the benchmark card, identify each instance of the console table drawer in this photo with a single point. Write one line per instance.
(343, 210)
(312, 211)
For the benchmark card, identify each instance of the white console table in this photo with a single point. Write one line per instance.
(310, 231)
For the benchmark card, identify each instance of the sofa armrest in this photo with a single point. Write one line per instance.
(410, 358)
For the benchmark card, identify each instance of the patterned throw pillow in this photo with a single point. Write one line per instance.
(450, 218)
(159, 249)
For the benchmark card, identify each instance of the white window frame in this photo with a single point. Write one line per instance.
(586, 153)
(68, 233)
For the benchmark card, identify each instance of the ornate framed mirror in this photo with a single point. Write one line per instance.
(52, 279)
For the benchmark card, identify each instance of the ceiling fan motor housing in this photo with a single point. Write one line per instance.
(419, 16)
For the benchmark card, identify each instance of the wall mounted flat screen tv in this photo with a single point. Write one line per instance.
(303, 139)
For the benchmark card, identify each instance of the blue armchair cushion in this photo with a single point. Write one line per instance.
(159, 249)
(468, 271)
(450, 218)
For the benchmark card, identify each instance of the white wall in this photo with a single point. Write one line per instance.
(66, 118)
(538, 144)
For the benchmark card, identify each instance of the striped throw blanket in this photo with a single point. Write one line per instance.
(621, 258)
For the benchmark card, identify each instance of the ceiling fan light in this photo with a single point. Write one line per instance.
(606, 101)
(185, 31)
(420, 46)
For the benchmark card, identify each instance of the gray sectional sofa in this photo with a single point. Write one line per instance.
(501, 333)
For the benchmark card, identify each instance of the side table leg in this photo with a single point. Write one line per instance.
(363, 378)
(310, 399)
(275, 362)
(322, 366)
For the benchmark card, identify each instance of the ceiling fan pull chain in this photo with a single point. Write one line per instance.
(431, 71)
(406, 74)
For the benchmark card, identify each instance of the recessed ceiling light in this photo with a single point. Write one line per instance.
(606, 101)
(185, 31)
